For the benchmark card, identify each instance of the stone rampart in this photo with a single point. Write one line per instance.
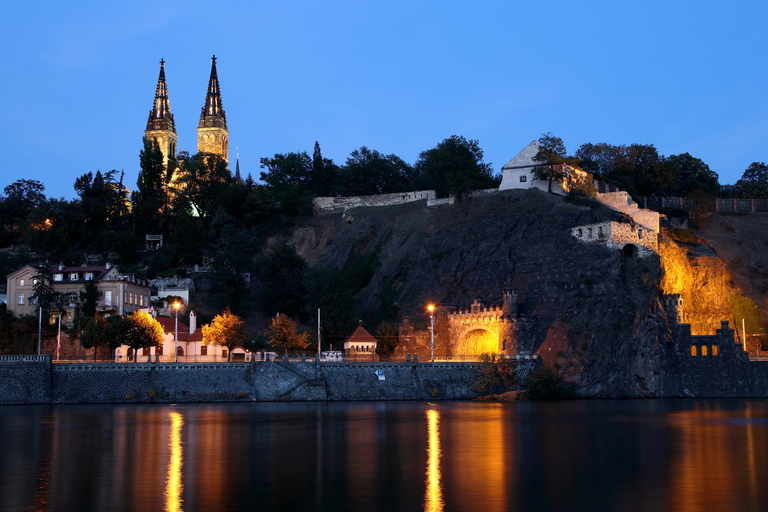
(622, 202)
(329, 205)
(618, 235)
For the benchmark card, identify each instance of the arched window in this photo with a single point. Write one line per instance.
(703, 350)
(580, 232)
(693, 350)
(714, 350)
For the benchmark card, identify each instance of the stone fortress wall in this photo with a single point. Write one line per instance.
(617, 235)
(330, 205)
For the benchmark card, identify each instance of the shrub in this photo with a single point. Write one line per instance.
(546, 383)
(494, 377)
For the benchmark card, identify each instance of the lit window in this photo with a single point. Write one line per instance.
(523, 179)
(693, 350)
(20, 299)
(108, 298)
(703, 350)
(21, 282)
(714, 350)
(73, 276)
(89, 276)
(58, 277)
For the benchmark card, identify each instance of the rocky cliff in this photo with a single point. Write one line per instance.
(588, 308)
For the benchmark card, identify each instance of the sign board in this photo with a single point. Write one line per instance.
(380, 374)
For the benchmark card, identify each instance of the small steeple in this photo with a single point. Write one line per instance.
(212, 133)
(238, 179)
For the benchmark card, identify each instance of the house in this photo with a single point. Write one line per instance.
(119, 294)
(518, 173)
(188, 347)
(361, 342)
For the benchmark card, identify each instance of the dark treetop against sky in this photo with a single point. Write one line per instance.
(397, 76)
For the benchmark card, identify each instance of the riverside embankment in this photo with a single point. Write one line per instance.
(35, 380)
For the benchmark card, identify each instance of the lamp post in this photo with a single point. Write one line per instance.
(176, 333)
(431, 309)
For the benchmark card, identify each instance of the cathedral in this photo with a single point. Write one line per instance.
(212, 133)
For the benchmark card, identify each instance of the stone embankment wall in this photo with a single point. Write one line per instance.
(43, 382)
(621, 201)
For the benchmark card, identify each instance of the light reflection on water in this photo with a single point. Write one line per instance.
(174, 486)
(597, 455)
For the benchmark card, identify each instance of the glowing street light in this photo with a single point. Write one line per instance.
(431, 309)
(176, 306)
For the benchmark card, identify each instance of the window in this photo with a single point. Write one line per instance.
(204, 350)
(130, 298)
(693, 350)
(640, 234)
(714, 350)
(224, 353)
(523, 179)
(58, 277)
(108, 298)
(21, 282)
(89, 276)
(73, 276)
(703, 350)
(20, 299)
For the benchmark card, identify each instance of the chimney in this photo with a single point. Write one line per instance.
(192, 322)
(109, 265)
(61, 266)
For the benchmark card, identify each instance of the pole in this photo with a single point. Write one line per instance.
(39, 327)
(432, 318)
(176, 335)
(743, 335)
(318, 334)
(58, 340)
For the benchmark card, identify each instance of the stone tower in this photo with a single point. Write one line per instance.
(212, 133)
(674, 307)
(160, 125)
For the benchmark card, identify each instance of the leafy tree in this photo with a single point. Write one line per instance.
(754, 182)
(637, 168)
(546, 383)
(289, 178)
(455, 166)
(494, 377)
(283, 280)
(151, 197)
(96, 333)
(226, 330)
(692, 174)
(553, 160)
(136, 330)
(282, 333)
(200, 184)
(387, 338)
(368, 172)
(21, 198)
(43, 293)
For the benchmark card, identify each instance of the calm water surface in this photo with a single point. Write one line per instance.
(657, 455)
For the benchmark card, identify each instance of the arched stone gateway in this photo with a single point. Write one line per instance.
(629, 250)
(478, 341)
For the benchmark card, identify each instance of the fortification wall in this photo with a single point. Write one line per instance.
(622, 202)
(329, 205)
(616, 235)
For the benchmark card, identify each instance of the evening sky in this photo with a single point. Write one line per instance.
(398, 76)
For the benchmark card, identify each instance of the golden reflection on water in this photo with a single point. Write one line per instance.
(174, 486)
(433, 498)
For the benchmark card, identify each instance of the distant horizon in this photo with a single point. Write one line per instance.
(398, 78)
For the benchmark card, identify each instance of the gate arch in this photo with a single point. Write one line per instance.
(477, 341)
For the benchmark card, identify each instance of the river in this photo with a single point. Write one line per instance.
(676, 455)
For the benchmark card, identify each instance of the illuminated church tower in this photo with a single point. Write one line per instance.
(212, 134)
(160, 125)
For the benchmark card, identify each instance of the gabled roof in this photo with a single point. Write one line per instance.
(524, 158)
(361, 336)
(169, 326)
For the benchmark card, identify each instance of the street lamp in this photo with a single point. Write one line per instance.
(176, 306)
(431, 309)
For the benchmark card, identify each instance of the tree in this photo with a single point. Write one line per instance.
(95, 334)
(21, 198)
(368, 172)
(226, 330)
(136, 330)
(553, 160)
(289, 178)
(283, 280)
(455, 166)
(546, 383)
(754, 182)
(324, 175)
(282, 333)
(151, 197)
(43, 293)
(692, 174)
(494, 377)
(387, 338)
(200, 184)
(88, 298)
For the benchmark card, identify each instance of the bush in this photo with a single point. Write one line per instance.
(546, 383)
(494, 377)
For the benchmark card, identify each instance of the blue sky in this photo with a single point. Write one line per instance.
(398, 76)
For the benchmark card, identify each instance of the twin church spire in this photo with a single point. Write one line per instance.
(212, 133)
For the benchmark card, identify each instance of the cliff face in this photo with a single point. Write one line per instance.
(588, 308)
